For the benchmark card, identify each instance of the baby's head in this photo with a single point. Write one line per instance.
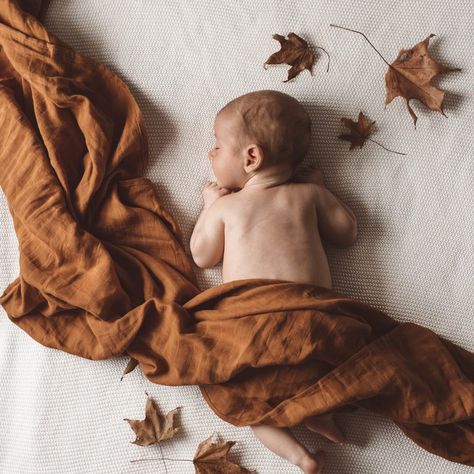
(260, 132)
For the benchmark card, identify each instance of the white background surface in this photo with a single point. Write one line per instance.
(413, 257)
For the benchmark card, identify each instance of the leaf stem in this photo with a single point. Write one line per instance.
(164, 462)
(159, 459)
(360, 33)
(329, 57)
(379, 144)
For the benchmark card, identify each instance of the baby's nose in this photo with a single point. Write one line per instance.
(209, 155)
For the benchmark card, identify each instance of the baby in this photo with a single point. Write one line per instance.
(265, 219)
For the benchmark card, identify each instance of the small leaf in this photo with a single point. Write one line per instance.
(154, 428)
(359, 131)
(211, 458)
(294, 52)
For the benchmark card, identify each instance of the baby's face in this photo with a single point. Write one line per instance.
(227, 155)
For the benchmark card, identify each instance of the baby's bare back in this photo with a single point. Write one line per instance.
(273, 233)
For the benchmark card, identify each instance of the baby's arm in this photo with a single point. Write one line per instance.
(207, 239)
(337, 223)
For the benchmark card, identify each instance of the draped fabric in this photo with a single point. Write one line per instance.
(104, 272)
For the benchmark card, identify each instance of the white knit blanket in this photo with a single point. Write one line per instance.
(414, 254)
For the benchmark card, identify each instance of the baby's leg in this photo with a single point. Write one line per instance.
(282, 442)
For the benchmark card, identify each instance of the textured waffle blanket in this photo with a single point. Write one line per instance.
(103, 272)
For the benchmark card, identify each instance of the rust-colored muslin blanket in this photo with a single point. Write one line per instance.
(103, 272)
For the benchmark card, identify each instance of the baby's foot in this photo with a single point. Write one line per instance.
(312, 463)
(325, 426)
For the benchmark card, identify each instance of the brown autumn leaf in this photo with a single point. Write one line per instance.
(294, 52)
(132, 363)
(211, 458)
(409, 76)
(154, 428)
(359, 131)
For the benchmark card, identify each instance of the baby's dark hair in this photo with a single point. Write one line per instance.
(277, 122)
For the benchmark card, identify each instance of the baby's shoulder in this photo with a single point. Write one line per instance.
(304, 190)
(222, 206)
(299, 186)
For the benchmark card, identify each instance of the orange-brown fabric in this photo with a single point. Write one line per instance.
(103, 272)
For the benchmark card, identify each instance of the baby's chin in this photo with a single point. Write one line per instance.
(223, 185)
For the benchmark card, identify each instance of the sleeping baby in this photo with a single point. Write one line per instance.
(265, 217)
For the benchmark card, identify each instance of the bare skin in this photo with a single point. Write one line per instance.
(282, 442)
(285, 212)
(270, 230)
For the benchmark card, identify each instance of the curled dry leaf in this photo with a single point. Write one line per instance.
(154, 428)
(409, 76)
(132, 363)
(294, 52)
(359, 131)
(211, 458)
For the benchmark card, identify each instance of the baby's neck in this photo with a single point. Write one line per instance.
(268, 178)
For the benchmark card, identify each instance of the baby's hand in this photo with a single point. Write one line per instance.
(308, 174)
(212, 192)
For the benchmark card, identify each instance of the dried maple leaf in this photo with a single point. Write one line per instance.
(132, 363)
(294, 52)
(359, 131)
(154, 428)
(211, 458)
(409, 76)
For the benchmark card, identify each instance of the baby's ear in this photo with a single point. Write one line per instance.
(254, 156)
(257, 149)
